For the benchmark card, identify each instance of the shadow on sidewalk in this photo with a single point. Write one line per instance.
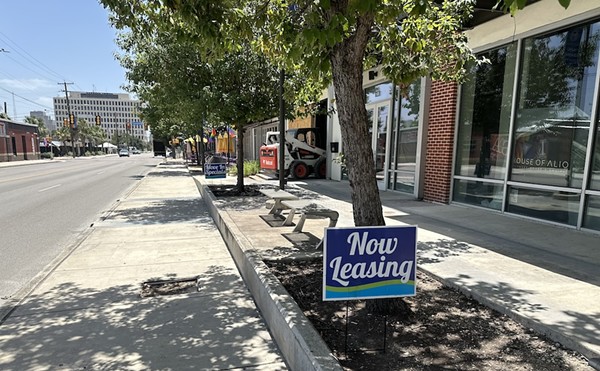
(81, 328)
(162, 212)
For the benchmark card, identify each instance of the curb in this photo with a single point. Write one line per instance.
(301, 345)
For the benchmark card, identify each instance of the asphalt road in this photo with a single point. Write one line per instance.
(45, 208)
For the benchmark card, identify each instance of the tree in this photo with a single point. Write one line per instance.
(328, 40)
(92, 134)
(63, 134)
(42, 130)
(183, 88)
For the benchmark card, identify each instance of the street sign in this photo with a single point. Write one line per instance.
(369, 262)
(215, 171)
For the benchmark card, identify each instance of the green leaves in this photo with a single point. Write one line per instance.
(408, 38)
(513, 6)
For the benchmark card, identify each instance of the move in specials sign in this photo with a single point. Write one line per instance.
(214, 171)
(369, 262)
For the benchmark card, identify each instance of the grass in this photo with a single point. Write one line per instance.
(250, 168)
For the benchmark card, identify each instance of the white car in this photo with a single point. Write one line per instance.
(123, 152)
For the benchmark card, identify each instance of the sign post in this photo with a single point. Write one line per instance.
(369, 263)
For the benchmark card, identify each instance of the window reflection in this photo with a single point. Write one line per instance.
(592, 214)
(486, 101)
(595, 168)
(482, 194)
(560, 207)
(554, 108)
(404, 140)
(379, 92)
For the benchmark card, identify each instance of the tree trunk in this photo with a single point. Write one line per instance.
(240, 160)
(347, 67)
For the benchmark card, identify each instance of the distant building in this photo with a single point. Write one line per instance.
(117, 112)
(48, 121)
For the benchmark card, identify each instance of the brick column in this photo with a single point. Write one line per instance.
(440, 142)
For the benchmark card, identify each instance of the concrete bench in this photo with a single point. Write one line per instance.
(308, 209)
(277, 196)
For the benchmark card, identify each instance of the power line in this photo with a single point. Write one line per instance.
(35, 60)
(26, 67)
(27, 100)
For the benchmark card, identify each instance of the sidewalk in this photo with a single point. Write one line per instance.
(544, 276)
(88, 312)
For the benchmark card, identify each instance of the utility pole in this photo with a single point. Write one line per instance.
(281, 166)
(71, 124)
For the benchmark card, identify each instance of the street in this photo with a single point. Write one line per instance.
(47, 206)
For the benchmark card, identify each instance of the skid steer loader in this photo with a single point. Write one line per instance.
(302, 157)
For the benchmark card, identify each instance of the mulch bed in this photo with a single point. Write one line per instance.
(444, 331)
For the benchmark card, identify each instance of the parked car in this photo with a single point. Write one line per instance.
(135, 151)
(123, 152)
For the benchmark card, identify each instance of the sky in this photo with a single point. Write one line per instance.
(48, 42)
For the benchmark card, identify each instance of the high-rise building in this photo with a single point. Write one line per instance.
(48, 121)
(117, 112)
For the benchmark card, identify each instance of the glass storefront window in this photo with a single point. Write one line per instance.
(478, 193)
(379, 93)
(591, 219)
(560, 207)
(403, 155)
(554, 107)
(484, 116)
(595, 168)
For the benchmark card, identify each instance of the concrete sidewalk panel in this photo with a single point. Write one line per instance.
(118, 255)
(166, 234)
(135, 275)
(162, 211)
(159, 183)
(179, 332)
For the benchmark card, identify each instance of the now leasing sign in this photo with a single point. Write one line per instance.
(213, 171)
(369, 262)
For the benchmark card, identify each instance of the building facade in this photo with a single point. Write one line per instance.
(18, 141)
(520, 137)
(117, 113)
(526, 138)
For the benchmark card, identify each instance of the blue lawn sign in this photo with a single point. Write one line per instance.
(369, 262)
(214, 171)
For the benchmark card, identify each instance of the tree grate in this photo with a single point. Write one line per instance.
(174, 286)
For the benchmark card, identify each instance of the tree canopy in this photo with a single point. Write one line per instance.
(325, 41)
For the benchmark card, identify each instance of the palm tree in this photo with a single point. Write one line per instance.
(64, 134)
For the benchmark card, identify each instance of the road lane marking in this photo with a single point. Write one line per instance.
(49, 188)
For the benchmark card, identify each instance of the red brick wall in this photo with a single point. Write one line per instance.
(440, 142)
